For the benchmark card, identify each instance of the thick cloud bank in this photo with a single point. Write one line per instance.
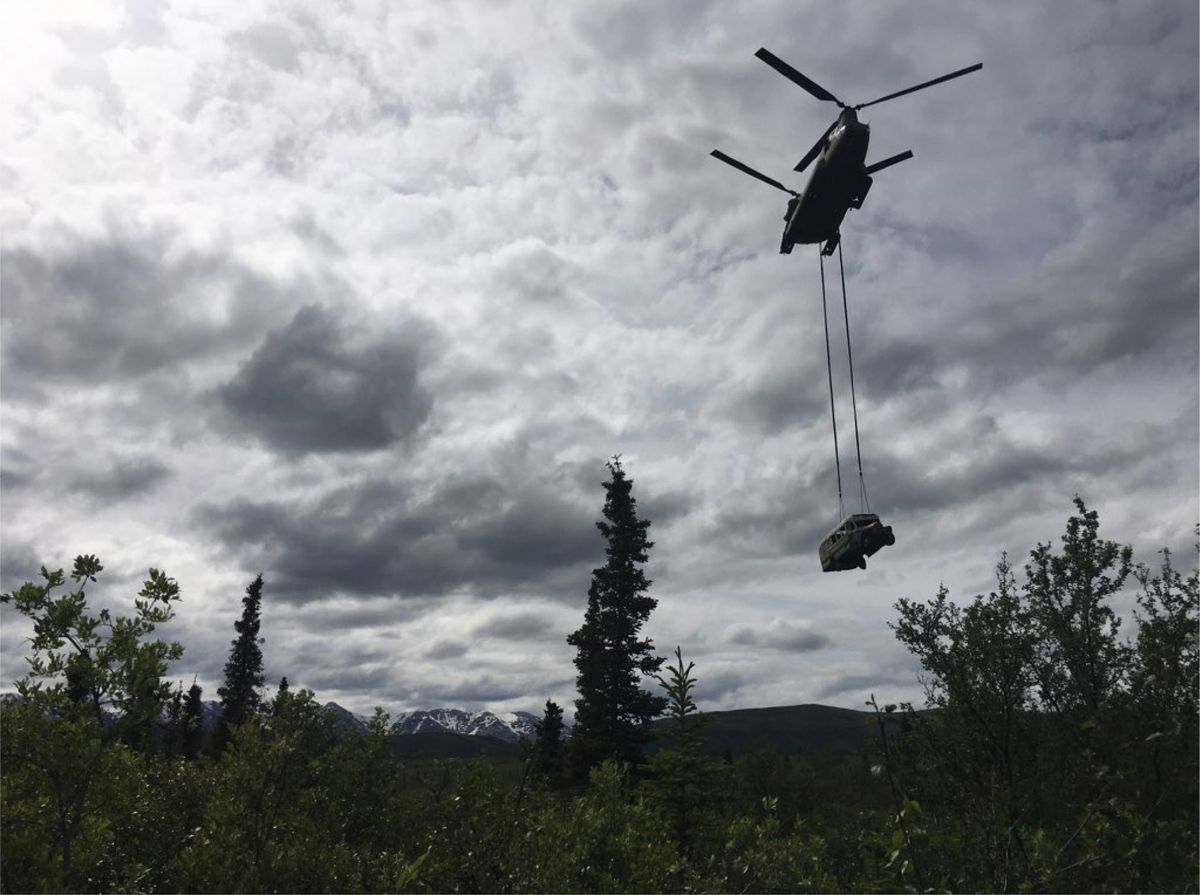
(364, 299)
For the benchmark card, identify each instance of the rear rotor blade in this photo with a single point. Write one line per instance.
(816, 150)
(792, 75)
(888, 162)
(954, 74)
(746, 169)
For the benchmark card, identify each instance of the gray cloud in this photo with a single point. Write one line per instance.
(718, 684)
(20, 470)
(319, 676)
(120, 308)
(475, 691)
(122, 479)
(19, 563)
(346, 614)
(270, 43)
(779, 399)
(311, 386)
(378, 537)
(779, 634)
(103, 479)
(513, 626)
(447, 649)
(1054, 326)
(853, 689)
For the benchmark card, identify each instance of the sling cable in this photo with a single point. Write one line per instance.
(861, 534)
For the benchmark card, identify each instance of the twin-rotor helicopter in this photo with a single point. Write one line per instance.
(840, 176)
(839, 181)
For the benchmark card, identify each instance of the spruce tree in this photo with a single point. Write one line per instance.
(547, 756)
(281, 697)
(683, 776)
(193, 722)
(613, 710)
(240, 696)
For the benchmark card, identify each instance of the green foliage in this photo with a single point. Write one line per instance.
(92, 663)
(1081, 662)
(760, 855)
(1166, 665)
(57, 739)
(613, 709)
(608, 839)
(1059, 757)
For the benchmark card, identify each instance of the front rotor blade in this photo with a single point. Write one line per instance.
(746, 169)
(955, 74)
(792, 75)
(816, 150)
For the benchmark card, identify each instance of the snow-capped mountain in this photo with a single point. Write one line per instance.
(509, 727)
(210, 714)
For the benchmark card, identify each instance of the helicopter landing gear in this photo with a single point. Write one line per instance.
(829, 246)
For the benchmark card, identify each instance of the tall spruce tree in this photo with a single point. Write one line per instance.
(613, 710)
(547, 755)
(240, 697)
(683, 777)
(192, 722)
(281, 697)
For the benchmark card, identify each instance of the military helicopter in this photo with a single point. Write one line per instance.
(840, 179)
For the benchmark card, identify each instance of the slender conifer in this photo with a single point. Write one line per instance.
(241, 695)
(613, 709)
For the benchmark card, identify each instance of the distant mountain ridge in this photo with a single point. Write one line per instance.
(791, 729)
(510, 727)
(455, 733)
(785, 730)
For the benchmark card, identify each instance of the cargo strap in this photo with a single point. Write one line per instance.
(862, 487)
(832, 407)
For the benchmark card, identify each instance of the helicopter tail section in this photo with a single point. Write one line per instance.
(864, 187)
(856, 201)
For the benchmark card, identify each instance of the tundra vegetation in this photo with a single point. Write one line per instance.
(1056, 752)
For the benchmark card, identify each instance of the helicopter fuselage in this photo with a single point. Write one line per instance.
(838, 182)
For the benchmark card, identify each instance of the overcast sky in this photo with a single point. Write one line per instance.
(363, 299)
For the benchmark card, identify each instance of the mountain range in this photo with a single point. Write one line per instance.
(508, 728)
(791, 730)
(454, 733)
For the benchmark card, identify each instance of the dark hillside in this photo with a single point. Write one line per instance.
(785, 730)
